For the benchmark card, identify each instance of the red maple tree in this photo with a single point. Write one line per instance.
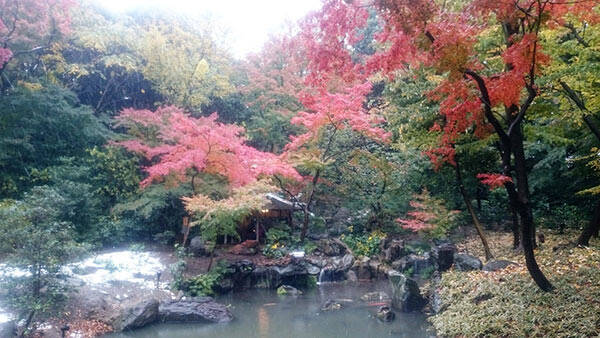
(30, 25)
(417, 33)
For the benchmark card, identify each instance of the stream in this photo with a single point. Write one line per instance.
(263, 313)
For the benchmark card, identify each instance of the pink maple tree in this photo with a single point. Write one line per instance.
(175, 143)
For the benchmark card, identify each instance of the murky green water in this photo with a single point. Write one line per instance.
(264, 314)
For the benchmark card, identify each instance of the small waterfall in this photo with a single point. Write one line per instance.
(321, 274)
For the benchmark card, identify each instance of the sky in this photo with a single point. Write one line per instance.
(248, 23)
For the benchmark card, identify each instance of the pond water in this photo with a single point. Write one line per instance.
(264, 314)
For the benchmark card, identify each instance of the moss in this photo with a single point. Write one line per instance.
(508, 303)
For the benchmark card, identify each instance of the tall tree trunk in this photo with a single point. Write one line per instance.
(306, 208)
(515, 227)
(516, 139)
(478, 227)
(525, 211)
(591, 228)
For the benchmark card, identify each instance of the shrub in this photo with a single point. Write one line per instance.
(204, 284)
(365, 244)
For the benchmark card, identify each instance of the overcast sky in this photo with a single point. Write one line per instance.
(248, 22)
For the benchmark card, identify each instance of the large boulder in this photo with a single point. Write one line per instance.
(330, 247)
(362, 268)
(351, 276)
(416, 264)
(394, 250)
(196, 310)
(198, 247)
(406, 295)
(385, 314)
(240, 273)
(343, 263)
(443, 256)
(496, 265)
(137, 316)
(466, 262)
(271, 277)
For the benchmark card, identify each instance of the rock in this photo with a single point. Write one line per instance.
(288, 290)
(329, 247)
(248, 247)
(316, 261)
(265, 277)
(443, 256)
(137, 316)
(224, 285)
(198, 247)
(272, 277)
(466, 262)
(482, 298)
(406, 294)
(351, 277)
(94, 304)
(496, 265)
(414, 263)
(312, 269)
(377, 296)
(331, 305)
(343, 263)
(362, 268)
(240, 273)
(385, 314)
(395, 250)
(196, 310)
(330, 274)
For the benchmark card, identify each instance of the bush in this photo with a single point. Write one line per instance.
(365, 244)
(278, 241)
(204, 284)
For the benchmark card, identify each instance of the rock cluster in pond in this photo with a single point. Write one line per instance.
(196, 310)
(137, 316)
(385, 314)
(406, 295)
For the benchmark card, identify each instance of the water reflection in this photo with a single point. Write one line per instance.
(264, 314)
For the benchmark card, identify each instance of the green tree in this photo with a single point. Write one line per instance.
(37, 244)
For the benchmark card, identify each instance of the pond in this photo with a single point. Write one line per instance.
(264, 314)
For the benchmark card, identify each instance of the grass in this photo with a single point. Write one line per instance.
(508, 303)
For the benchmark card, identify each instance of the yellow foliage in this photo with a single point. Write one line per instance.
(244, 199)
